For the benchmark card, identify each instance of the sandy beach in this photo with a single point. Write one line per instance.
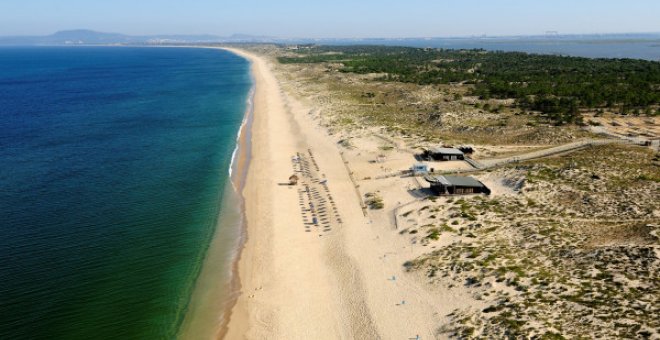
(341, 277)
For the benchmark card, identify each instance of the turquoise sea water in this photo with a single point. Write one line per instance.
(113, 162)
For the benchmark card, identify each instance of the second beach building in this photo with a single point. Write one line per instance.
(456, 185)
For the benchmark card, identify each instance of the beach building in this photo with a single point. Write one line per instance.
(443, 154)
(456, 185)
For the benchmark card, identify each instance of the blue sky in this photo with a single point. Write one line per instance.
(338, 18)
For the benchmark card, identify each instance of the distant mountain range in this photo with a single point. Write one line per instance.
(89, 37)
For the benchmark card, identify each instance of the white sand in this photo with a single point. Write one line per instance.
(300, 285)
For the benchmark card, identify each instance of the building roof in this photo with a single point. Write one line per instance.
(447, 151)
(455, 181)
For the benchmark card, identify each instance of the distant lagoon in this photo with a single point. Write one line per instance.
(648, 49)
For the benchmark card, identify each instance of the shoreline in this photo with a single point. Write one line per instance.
(232, 208)
(241, 160)
(244, 147)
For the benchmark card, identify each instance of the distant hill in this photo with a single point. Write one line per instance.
(89, 37)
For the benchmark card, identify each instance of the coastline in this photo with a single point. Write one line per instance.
(238, 179)
(245, 151)
(244, 147)
(203, 318)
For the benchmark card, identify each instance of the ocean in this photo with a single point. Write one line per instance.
(114, 182)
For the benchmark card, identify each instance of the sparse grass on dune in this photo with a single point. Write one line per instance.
(574, 253)
(431, 112)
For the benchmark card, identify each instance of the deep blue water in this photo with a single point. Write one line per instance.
(112, 165)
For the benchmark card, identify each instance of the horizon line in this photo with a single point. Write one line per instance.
(485, 35)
